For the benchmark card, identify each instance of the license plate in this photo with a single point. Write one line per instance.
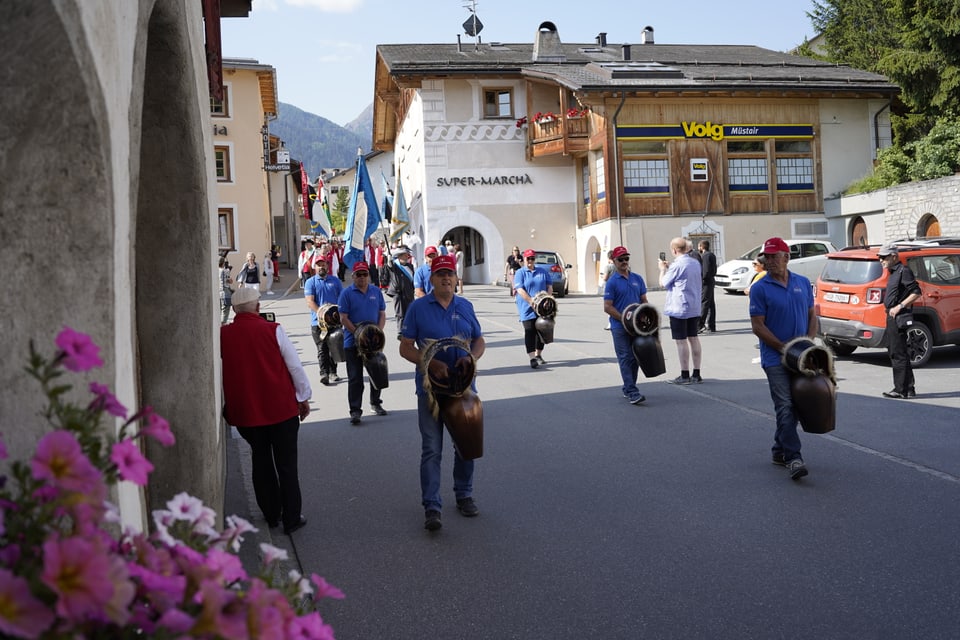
(830, 296)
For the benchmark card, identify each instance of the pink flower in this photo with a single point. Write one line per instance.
(225, 565)
(20, 613)
(60, 461)
(325, 589)
(78, 572)
(79, 351)
(131, 465)
(184, 506)
(106, 401)
(309, 627)
(272, 554)
(175, 620)
(158, 429)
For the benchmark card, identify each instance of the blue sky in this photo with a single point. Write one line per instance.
(324, 50)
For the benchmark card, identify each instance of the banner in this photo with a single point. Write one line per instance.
(363, 216)
(387, 199)
(321, 223)
(401, 218)
(305, 193)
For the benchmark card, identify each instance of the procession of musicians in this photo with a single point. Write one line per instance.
(440, 335)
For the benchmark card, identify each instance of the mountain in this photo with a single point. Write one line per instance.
(362, 125)
(319, 143)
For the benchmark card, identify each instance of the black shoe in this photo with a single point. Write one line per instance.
(335, 377)
(778, 460)
(467, 507)
(378, 409)
(299, 524)
(325, 381)
(911, 393)
(541, 360)
(354, 417)
(273, 524)
(797, 469)
(680, 380)
(696, 379)
(432, 520)
(534, 363)
(893, 394)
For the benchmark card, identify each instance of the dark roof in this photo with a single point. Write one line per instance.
(651, 66)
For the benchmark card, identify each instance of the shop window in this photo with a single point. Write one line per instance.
(498, 103)
(223, 162)
(601, 178)
(794, 165)
(646, 176)
(226, 238)
(747, 167)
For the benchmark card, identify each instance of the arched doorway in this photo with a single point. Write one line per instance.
(474, 248)
(928, 227)
(858, 233)
(597, 260)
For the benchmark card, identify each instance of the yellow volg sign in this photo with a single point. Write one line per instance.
(708, 130)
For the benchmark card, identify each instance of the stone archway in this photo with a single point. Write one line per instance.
(928, 226)
(858, 233)
(594, 256)
(474, 251)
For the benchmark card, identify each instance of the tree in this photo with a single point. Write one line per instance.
(340, 207)
(859, 33)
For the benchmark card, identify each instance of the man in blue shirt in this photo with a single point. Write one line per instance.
(322, 289)
(440, 314)
(683, 281)
(528, 282)
(781, 309)
(623, 288)
(358, 303)
(421, 279)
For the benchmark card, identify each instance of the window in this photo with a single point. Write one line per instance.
(601, 178)
(585, 182)
(498, 103)
(794, 165)
(221, 108)
(747, 166)
(224, 170)
(646, 176)
(226, 238)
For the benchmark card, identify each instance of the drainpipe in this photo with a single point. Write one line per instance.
(876, 128)
(616, 163)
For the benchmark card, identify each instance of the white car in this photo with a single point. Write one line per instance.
(807, 258)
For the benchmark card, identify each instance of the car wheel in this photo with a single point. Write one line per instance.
(919, 344)
(839, 348)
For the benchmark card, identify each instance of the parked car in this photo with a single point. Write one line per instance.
(553, 262)
(807, 258)
(849, 298)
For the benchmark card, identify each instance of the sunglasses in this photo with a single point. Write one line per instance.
(623, 259)
(361, 274)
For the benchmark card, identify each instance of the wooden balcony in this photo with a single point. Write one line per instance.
(559, 135)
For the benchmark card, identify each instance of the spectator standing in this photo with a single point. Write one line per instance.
(683, 279)
(759, 272)
(781, 309)
(513, 264)
(249, 276)
(528, 282)
(902, 291)
(360, 302)
(268, 273)
(275, 254)
(322, 289)
(708, 306)
(305, 263)
(421, 278)
(458, 254)
(623, 288)
(226, 290)
(440, 314)
(266, 394)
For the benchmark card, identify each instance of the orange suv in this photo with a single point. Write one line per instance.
(850, 290)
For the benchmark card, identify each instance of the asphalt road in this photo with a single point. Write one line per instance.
(600, 519)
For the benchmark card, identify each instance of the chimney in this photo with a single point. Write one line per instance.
(459, 48)
(647, 36)
(626, 51)
(547, 46)
(602, 39)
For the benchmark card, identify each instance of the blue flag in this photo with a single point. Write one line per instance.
(401, 217)
(387, 199)
(363, 216)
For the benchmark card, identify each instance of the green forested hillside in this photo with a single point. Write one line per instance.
(316, 141)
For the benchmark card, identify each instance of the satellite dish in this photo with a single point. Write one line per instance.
(472, 27)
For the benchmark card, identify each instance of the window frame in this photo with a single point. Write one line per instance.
(227, 213)
(228, 166)
(496, 92)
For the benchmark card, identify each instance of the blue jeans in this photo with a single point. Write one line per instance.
(431, 434)
(629, 367)
(785, 439)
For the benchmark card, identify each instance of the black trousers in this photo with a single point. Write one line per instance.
(531, 339)
(708, 313)
(355, 382)
(899, 357)
(276, 483)
(327, 365)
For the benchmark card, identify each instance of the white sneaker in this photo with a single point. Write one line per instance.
(755, 360)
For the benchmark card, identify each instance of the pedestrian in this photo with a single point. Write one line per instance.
(528, 282)
(275, 259)
(305, 262)
(440, 314)
(458, 254)
(322, 289)
(360, 302)
(266, 395)
(249, 276)
(781, 309)
(267, 274)
(226, 290)
(513, 264)
(399, 281)
(902, 291)
(708, 306)
(758, 272)
(421, 278)
(608, 270)
(623, 288)
(682, 280)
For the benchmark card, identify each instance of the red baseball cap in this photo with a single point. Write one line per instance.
(441, 263)
(774, 245)
(430, 250)
(620, 251)
(361, 266)
(529, 253)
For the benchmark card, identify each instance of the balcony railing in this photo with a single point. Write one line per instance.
(559, 134)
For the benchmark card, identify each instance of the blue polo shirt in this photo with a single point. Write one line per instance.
(623, 291)
(324, 291)
(426, 319)
(785, 310)
(533, 282)
(421, 279)
(360, 307)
